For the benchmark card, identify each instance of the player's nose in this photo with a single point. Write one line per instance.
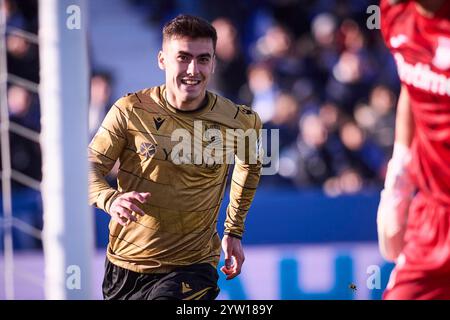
(192, 67)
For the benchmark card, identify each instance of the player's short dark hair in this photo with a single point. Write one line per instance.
(190, 27)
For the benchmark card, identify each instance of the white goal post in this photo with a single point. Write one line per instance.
(64, 83)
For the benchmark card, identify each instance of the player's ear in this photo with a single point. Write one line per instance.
(161, 60)
(213, 63)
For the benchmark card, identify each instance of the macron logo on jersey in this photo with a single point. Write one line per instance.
(397, 41)
(421, 76)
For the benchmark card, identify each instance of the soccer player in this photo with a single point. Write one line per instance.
(163, 242)
(414, 210)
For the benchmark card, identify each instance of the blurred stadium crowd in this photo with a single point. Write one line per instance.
(310, 68)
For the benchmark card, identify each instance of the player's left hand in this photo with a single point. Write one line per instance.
(234, 256)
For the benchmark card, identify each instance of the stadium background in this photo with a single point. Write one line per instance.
(312, 69)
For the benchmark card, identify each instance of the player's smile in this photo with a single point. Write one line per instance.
(190, 83)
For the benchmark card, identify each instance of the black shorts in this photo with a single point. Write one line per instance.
(194, 282)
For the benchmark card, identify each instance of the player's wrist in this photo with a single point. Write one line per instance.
(401, 153)
(111, 201)
(233, 235)
(397, 175)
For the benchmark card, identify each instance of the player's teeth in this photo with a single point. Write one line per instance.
(191, 81)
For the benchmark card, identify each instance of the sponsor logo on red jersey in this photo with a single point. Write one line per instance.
(421, 76)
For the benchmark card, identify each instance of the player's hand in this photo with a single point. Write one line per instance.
(123, 207)
(234, 256)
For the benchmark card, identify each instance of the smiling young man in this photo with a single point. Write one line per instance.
(163, 242)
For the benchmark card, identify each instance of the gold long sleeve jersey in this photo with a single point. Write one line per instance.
(144, 133)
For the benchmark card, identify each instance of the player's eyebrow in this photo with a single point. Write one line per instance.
(201, 55)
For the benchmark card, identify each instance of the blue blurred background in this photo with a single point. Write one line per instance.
(310, 68)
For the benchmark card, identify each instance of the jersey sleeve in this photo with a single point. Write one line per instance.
(245, 179)
(104, 150)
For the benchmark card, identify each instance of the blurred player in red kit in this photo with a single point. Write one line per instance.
(414, 211)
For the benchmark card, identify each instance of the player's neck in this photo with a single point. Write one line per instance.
(186, 105)
(428, 8)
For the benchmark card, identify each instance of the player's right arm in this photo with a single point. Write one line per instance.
(404, 123)
(398, 189)
(104, 150)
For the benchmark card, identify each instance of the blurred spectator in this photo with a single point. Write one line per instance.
(285, 119)
(99, 105)
(14, 17)
(25, 157)
(22, 56)
(346, 85)
(24, 110)
(377, 118)
(332, 117)
(229, 75)
(277, 49)
(275, 44)
(100, 101)
(263, 90)
(307, 162)
(324, 31)
(352, 37)
(365, 157)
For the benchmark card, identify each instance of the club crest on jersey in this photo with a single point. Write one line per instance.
(441, 58)
(147, 149)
